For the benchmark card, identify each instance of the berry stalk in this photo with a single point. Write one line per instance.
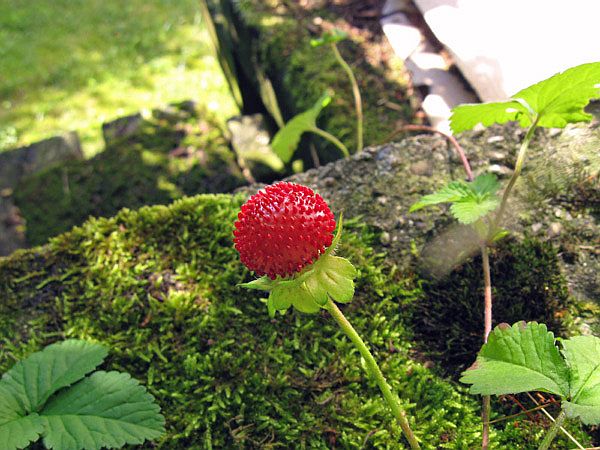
(374, 372)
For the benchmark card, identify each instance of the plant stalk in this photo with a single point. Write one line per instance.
(331, 138)
(487, 328)
(513, 179)
(375, 372)
(357, 99)
(551, 434)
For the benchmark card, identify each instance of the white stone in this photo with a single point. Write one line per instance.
(503, 46)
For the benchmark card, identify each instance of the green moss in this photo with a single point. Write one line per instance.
(159, 287)
(526, 285)
(169, 157)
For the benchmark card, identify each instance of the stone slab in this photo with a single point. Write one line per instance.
(15, 164)
(503, 46)
(427, 67)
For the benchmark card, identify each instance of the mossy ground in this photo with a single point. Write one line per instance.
(280, 34)
(527, 285)
(180, 153)
(158, 286)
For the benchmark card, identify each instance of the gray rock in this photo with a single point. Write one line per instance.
(18, 163)
(12, 235)
(354, 185)
(555, 229)
(250, 141)
(121, 128)
(536, 227)
(500, 170)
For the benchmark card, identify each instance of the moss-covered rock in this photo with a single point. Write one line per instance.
(169, 156)
(159, 287)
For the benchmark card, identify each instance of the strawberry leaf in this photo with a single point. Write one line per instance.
(19, 431)
(470, 201)
(105, 409)
(517, 359)
(583, 357)
(555, 102)
(34, 379)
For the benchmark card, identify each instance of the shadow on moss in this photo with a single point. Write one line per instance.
(527, 285)
(172, 155)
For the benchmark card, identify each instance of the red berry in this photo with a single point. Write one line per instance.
(283, 229)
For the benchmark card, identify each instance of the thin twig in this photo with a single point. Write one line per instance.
(512, 416)
(565, 432)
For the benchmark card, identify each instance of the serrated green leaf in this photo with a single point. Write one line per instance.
(484, 184)
(286, 140)
(583, 358)
(470, 201)
(18, 431)
(295, 295)
(472, 208)
(557, 101)
(467, 116)
(517, 359)
(560, 99)
(452, 192)
(105, 409)
(34, 379)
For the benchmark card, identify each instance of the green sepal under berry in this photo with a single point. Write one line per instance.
(469, 201)
(309, 291)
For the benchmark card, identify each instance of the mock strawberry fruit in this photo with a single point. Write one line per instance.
(283, 229)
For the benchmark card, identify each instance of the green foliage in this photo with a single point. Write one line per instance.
(553, 103)
(286, 141)
(158, 286)
(167, 158)
(106, 409)
(517, 359)
(331, 37)
(38, 397)
(470, 201)
(280, 41)
(583, 358)
(524, 357)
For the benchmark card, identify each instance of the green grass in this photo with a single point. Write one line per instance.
(72, 64)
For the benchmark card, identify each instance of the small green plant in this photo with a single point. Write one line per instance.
(54, 394)
(524, 358)
(286, 140)
(331, 39)
(554, 102)
(284, 233)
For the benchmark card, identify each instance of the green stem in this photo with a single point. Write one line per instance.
(375, 372)
(357, 99)
(551, 434)
(513, 179)
(331, 138)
